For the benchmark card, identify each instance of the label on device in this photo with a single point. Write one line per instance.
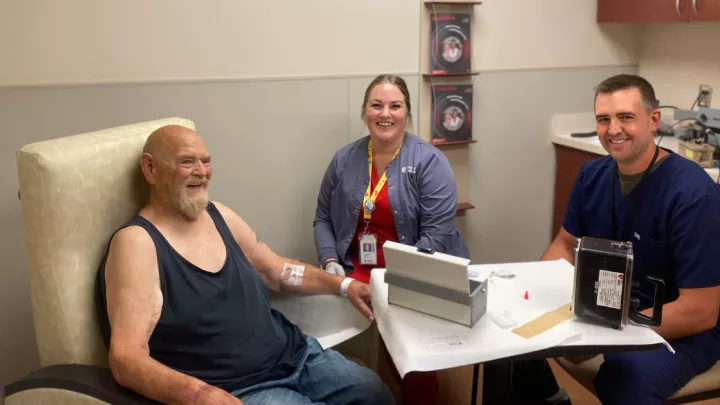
(610, 288)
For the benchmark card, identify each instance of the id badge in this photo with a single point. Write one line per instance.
(368, 249)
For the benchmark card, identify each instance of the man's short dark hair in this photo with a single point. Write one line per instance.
(626, 81)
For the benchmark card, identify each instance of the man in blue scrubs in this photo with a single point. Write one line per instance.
(669, 208)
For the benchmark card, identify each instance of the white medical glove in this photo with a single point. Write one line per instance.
(335, 268)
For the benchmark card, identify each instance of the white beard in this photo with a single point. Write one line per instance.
(189, 206)
(192, 207)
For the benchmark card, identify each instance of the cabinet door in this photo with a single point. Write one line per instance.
(704, 10)
(645, 11)
(568, 162)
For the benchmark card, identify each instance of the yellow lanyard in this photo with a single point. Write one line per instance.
(369, 199)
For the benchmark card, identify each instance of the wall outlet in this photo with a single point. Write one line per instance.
(704, 96)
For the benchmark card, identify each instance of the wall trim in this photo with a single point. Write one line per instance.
(199, 80)
(225, 79)
(503, 69)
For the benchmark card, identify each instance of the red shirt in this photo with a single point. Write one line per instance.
(381, 225)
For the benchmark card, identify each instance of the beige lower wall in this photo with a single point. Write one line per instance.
(271, 142)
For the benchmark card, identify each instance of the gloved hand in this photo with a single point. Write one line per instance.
(335, 268)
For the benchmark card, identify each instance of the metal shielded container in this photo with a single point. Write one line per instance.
(433, 283)
(602, 289)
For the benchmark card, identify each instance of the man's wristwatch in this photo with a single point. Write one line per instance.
(344, 286)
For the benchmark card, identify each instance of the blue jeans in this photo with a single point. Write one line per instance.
(322, 377)
(648, 377)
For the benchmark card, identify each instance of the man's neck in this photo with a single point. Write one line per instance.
(642, 163)
(165, 215)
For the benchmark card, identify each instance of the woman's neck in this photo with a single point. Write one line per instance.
(384, 147)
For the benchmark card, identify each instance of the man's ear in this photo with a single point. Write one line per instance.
(655, 117)
(147, 165)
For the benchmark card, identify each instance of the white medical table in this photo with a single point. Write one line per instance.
(420, 342)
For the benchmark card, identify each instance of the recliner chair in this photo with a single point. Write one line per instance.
(75, 192)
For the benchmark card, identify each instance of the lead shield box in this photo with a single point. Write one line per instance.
(433, 283)
(603, 284)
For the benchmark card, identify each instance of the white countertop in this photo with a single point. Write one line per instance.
(565, 124)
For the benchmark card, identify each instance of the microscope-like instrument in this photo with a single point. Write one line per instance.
(700, 141)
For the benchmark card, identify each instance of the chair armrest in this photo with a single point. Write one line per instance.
(93, 381)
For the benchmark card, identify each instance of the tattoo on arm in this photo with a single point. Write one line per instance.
(259, 241)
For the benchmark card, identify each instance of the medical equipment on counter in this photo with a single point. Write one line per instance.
(602, 289)
(433, 283)
(699, 141)
(705, 128)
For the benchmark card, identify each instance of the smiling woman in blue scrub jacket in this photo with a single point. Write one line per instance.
(387, 186)
(675, 231)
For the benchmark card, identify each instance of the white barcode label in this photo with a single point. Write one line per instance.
(610, 287)
(448, 340)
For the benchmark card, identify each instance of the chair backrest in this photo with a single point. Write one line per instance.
(76, 191)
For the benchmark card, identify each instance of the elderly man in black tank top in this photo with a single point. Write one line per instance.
(184, 304)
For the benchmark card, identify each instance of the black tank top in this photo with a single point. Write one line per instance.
(217, 327)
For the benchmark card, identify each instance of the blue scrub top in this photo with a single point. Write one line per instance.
(676, 226)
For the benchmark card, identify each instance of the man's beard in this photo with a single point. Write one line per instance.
(191, 206)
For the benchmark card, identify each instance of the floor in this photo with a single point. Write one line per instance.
(456, 384)
(455, 388)
(580, 396)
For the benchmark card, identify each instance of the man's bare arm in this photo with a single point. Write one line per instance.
(134, 302)
(563, 247)
(270, 266)
(695, 311)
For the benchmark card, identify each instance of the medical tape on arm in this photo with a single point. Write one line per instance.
(292, 274)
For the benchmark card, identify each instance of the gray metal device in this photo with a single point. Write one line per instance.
(433, 283)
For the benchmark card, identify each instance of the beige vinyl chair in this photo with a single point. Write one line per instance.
(702, 387)
(75, 192)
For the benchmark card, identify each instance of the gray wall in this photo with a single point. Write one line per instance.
(271, 142)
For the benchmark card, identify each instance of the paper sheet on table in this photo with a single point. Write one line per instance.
(420, 342)
(597, 335)
(328, 318)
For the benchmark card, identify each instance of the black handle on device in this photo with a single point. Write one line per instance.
(425, 250)
(658, 301)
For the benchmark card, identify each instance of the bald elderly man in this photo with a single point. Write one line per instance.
(184, 304)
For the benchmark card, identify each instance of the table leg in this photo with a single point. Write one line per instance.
(497, 383)
(476, 371)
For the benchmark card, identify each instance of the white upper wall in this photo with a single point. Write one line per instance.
(526, 34)
(88, 41)
(80, 41)
(677, 58)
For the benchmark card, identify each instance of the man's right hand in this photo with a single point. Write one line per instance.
(211, 395)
